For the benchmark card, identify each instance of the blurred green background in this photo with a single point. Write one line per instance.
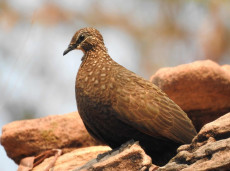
(142, 35)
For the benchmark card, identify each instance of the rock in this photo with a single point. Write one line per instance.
(226, 68)
(129, 158)
(73, 159)
(31, 137)
(201, 89)
(209, 150)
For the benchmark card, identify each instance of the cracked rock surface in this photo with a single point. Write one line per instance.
(209, 150)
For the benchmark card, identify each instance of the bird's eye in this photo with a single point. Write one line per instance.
(81, 38)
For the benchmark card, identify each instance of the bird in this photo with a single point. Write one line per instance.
(116, 105)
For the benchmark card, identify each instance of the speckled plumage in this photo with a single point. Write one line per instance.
(116, 105)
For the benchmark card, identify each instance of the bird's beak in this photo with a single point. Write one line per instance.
(70, 47)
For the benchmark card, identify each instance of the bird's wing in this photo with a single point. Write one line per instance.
(144, 106)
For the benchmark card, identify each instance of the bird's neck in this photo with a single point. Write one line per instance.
(96, 61)
(95, 51)
(96, 57)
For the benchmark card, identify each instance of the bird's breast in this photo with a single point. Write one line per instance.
(94, 83)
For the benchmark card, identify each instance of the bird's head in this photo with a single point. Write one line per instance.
(85, 39)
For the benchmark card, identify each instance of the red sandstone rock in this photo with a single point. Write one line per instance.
(226, 68)
(201, 89)
(129, 158)
(209, 150)
(73, 159)
(31, 137)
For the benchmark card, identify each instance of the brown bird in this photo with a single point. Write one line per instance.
(116, 105)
